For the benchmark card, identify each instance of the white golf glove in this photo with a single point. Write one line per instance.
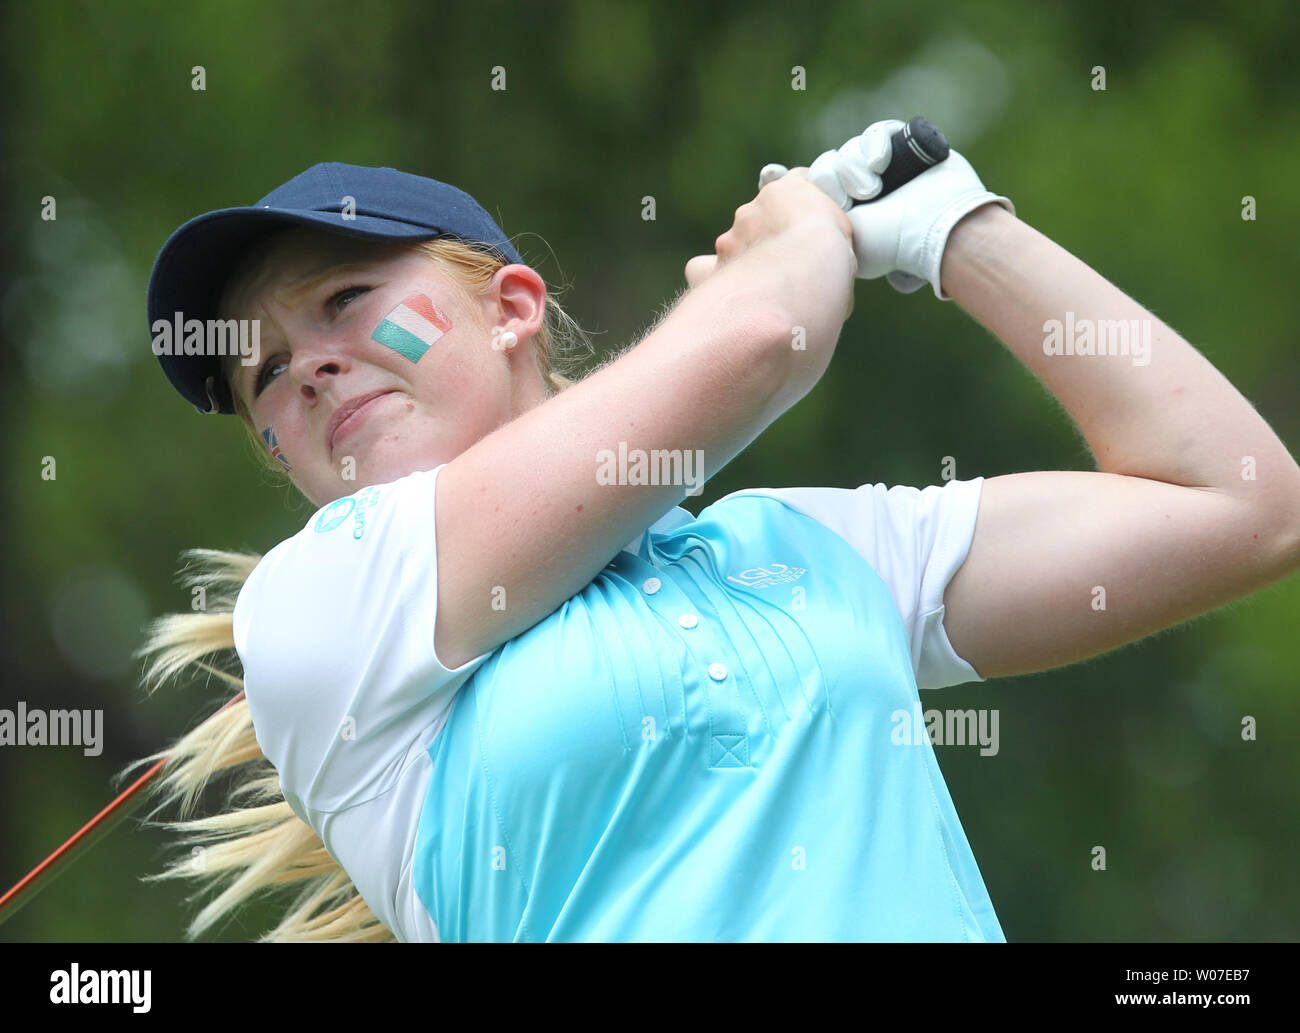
(901, 236)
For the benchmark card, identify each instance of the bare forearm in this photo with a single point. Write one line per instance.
(1160, 411)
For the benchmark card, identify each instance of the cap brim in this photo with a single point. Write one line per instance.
(195, 263)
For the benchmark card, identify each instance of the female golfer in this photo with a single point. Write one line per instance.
(501, 686)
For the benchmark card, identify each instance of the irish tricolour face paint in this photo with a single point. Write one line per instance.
(412, 327)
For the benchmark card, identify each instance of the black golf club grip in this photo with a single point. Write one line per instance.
(916, 147)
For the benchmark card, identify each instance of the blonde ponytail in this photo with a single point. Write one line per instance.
(262, 845)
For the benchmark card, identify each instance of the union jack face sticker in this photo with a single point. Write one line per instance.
(273, 443)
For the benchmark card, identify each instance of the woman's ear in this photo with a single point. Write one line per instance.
(520, 293)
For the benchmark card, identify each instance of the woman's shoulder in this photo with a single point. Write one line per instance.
(860, 508)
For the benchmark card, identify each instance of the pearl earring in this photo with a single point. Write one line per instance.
(509, 340)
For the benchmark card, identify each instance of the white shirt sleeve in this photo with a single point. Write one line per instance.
(915, 539)
(335, 630)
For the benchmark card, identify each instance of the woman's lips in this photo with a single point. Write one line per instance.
(355, 419)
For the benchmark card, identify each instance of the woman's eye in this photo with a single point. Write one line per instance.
(346, 292)
(332, 304)
(264, 374)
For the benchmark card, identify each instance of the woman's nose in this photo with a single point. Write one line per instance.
(315, 369)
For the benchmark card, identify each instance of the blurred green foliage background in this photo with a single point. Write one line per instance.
(1138, 751)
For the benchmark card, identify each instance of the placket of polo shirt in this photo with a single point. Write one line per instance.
(712, 680)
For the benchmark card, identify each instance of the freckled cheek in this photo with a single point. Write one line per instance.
(447, 385)
(448, 407)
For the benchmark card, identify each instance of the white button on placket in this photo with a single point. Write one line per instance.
(717, 671)
(651, 585)
(688, 620)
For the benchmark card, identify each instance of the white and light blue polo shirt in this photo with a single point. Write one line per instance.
(701, 745)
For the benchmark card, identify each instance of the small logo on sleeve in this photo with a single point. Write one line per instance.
(334, 514)
(356, 506)
(767, 577)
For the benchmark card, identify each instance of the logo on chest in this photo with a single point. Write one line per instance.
(767, 577)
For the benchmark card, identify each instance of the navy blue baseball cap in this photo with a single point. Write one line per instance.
(198, 259)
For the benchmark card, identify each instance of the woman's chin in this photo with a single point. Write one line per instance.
(388, 459)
